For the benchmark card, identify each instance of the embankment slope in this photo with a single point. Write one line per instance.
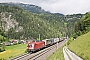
(81, 46)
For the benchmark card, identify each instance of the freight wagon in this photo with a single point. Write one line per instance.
(47, 42)
(37, 45)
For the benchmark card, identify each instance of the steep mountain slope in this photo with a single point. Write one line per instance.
(68, 19)
(20, 24)
(18, 18)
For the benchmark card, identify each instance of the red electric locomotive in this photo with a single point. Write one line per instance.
(34, 46)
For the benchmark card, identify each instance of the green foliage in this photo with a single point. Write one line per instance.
(2, 48)
(47, 25)
(83, 26)
(71, 19)
(3, 39)
(69, 41)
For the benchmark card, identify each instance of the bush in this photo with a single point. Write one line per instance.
(2, 48)
(69, 41)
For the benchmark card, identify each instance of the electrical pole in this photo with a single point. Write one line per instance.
(39, 37)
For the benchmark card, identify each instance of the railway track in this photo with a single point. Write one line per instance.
(35, 56)
(20, 57)
(41, 53)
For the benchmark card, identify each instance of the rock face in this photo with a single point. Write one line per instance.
(8, 22)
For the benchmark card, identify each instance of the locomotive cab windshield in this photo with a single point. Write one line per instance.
(31, 46)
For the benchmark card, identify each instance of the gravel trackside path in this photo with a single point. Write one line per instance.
(65, 55)
(68, 55)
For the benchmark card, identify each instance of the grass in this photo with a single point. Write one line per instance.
(58, 55)
(12, 51)
(81, 46)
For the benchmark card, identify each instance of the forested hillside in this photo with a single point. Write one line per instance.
(70, 20)
(83, 25)
(20, 23)
(17, 23)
